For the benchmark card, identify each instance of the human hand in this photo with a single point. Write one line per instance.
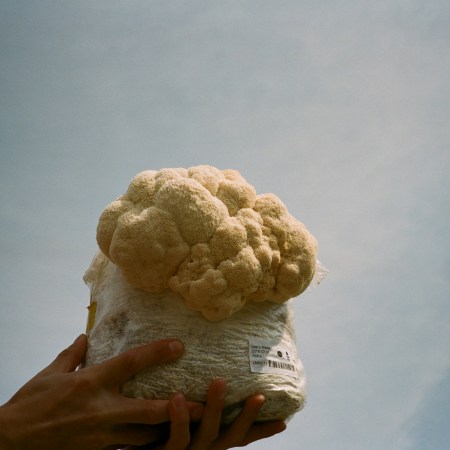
(242, 431)
(62, 408)
(208, 434)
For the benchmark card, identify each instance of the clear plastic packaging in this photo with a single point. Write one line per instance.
(254, 350)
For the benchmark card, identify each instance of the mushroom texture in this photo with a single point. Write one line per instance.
(206, 234)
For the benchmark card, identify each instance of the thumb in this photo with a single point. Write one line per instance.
(69, 359)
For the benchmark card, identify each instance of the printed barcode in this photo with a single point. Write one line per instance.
(281, 365)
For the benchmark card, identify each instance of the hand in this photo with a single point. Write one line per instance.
(242, 431)
(62, 408)
(208, 434)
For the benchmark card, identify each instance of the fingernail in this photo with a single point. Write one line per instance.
(78, 339)
(221, 390)
(176, 347)
(179, 401)
(262, 399)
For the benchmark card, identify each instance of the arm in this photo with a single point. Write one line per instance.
(64, 408)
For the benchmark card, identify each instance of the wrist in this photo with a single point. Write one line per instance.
(6, 440)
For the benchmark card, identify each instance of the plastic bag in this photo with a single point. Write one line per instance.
(254, 350)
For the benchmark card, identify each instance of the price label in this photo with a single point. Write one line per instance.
(272, 357)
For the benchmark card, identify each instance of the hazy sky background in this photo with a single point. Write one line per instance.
(341, 108)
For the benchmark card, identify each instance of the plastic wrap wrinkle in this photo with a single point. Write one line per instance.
(127, 317)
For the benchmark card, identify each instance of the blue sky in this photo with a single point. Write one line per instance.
(340, 108)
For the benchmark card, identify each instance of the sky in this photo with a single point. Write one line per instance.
(340, 108)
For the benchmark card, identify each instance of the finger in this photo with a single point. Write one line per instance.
(117, 370)
(141, 447)
(136, 435)
(262, 431)
(179, 424)
(69, 359)
(237, 431)
(139, 411)
(196, 411)
(209, 428)
(149, 412)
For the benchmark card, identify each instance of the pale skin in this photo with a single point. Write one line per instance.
(65, 408)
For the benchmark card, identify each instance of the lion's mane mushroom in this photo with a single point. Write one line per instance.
(206, 234)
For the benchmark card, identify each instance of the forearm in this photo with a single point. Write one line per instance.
(6, 440)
